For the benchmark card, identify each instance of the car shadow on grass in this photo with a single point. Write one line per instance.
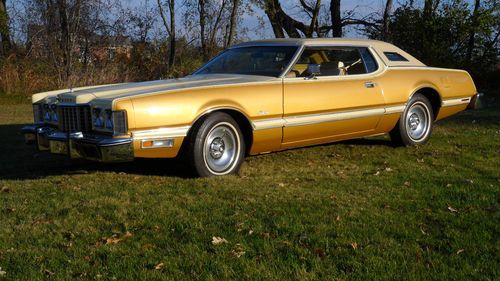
(19, 161)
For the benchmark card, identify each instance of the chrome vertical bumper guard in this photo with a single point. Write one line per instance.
(100, 148)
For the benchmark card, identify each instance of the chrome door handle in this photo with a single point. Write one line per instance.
(369, 84)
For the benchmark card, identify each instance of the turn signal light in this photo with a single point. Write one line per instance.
(157, 143)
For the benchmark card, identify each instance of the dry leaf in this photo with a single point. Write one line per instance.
(250, 232)
(354, 245)
(319, 253)
(281, 184)
(388, 169)
(337, 218)
(452, 210)
(218, 240)
(377, 173)
(460, 251)
(407, 183)
(238, 251)
(115, 239)
(48, 273)
(159, 266)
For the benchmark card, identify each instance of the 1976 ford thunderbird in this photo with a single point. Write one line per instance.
(255, 97)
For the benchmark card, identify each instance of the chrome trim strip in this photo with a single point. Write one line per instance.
(458, 101)
(325, 117)
(171, 132)
(269, 124)
(395, 109)
(329, 117)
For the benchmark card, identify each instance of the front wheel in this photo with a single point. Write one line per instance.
(415, 124)
(217, 146)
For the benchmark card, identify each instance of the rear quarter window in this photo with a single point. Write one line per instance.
(392, 56)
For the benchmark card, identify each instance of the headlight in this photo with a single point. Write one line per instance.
(120, 122)
(37, 113)
(53, 113)
(46, 112)
(108, 120)
(98, 118)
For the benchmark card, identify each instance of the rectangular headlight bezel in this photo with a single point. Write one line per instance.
(37, 113)
(120, 125)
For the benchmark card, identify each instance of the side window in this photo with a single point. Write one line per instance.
(392, 56)
(335, 61)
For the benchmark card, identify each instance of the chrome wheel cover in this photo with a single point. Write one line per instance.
(418, 121)
(221, 148)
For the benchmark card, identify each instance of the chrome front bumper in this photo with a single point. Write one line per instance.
(79, 145)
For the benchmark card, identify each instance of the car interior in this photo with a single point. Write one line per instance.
(337, 61)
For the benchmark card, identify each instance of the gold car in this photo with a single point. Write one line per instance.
(253, 98)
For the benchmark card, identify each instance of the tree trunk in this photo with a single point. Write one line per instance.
(472, 35)
(171, 55)
(336, 19)
(385, 23)
(314, 19)
(428, 10)
(202, 12)
(170, 30)
(64, 42)
(232, 23)
(272, 12)
(281, 22)
(4, 28)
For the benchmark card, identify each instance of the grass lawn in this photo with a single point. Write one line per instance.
(356, 210)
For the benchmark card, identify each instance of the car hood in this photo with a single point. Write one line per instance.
(114, 91)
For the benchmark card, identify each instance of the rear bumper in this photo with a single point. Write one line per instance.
(79, 145)
(477, 101)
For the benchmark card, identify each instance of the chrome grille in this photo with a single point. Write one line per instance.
(74, 118)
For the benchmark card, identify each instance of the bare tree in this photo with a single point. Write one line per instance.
(472, 35)
(170, 30)
(336, 18)
(4, 28)
(385, 19)
(232, 22)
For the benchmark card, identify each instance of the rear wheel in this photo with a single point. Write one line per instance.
(415, 124)
(217, 146)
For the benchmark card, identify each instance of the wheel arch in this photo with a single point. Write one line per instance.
(432, 94)
(241, 119)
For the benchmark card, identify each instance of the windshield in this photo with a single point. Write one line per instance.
(262, 60)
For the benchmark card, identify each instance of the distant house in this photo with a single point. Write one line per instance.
(93, 48)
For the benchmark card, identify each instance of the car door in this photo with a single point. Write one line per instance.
(342, 100)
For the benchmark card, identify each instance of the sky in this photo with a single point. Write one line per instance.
(252, 22)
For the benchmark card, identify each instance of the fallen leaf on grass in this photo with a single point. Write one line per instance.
(159, 266)
(451, 209)
(319, 253)
(460, 251)
(218, 240)
(388, 169)
(238, 251)
(281, 184)
(407, 183)
(377, 173)
(48, 273)
(115, 238)
(354, 245)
